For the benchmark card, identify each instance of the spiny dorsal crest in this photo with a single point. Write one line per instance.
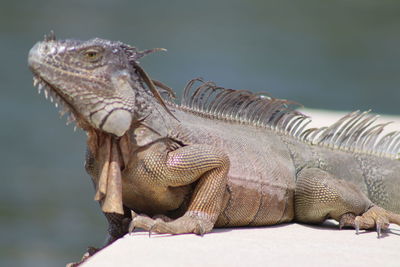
(355, 132)
(244, 107)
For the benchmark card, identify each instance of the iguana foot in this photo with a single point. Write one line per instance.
(90, 252)
(192, 223)
(376, 217)
(347, 219)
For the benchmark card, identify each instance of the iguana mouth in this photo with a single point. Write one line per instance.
(53, 94)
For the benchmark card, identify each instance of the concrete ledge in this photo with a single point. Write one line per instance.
(281, 245)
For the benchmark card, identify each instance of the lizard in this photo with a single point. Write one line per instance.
(220, 158)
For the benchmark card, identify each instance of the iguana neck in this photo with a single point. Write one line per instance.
(152, 115)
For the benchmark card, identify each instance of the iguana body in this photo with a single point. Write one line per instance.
(221, 158)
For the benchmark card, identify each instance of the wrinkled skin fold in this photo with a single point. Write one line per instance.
(113, 155)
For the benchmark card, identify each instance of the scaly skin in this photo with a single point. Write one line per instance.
(237, 160)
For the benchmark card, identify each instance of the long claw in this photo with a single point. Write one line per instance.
(357, 226)
(131, 228)
(379, 230)
(151, 230)
(202, 231)
(382, 224)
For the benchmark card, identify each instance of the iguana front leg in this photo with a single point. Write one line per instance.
(319, 196)
(203, 164)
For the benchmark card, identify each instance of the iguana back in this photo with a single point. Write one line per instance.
(352, 149)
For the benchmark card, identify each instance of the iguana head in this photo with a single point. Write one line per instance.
(98, 81)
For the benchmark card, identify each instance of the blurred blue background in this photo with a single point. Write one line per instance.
(341, 55)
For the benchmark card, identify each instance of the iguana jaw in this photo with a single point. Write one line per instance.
(60, 102)
(85, 90)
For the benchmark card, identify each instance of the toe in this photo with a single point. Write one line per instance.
(376, 217)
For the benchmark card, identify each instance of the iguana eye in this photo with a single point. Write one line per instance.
(92, 55)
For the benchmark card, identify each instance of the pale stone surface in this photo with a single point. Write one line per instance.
(281, 245)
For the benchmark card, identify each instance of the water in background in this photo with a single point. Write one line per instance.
(342, 55)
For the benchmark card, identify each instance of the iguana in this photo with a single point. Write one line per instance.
(221, 158)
